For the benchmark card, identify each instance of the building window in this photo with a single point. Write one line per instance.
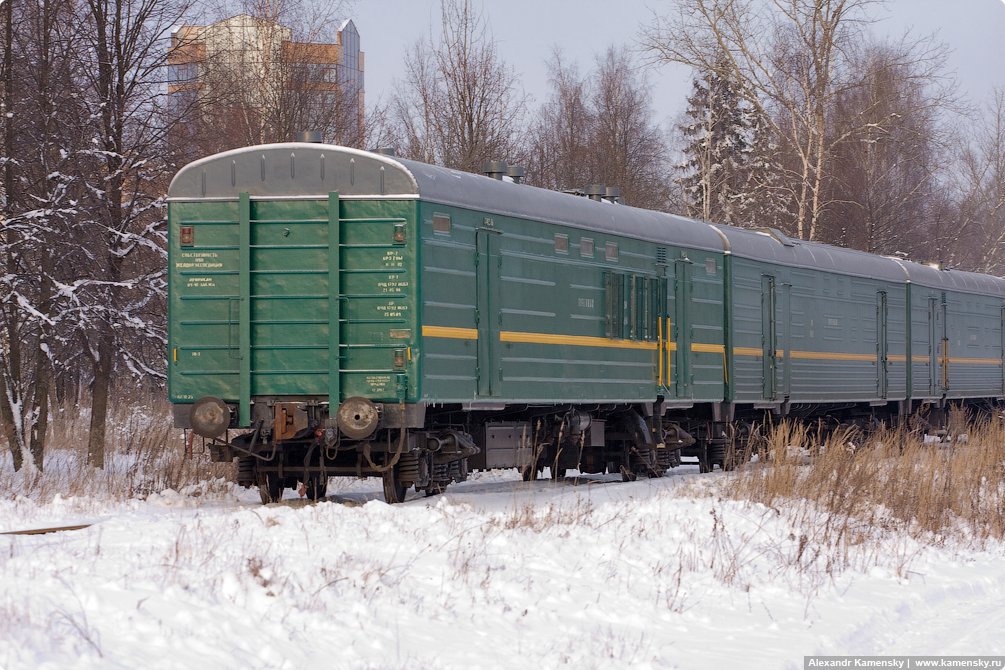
(183, 73)
(181, 102)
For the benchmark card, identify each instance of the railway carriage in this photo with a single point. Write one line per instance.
(354, 314)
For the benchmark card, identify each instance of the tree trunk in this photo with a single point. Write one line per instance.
(40, 401)
(99, 402)
(10, 427)
(109, 125)
(7, 401)
(41, 418)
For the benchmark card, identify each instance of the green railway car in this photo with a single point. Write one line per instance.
(334, 312)
(956, 335)
(843, 337)
(814, 324)
(462, 320)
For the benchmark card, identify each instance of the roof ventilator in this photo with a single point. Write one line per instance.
(495, 169)
(313, 136)
(595, 192)
(516, 173)
(613, 194)
(383, 151)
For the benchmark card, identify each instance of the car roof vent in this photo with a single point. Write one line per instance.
(313, 136)
(495, 169)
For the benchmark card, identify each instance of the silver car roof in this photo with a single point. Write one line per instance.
(305, 170)
(309, 170)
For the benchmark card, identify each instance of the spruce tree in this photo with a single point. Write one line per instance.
(714, 174)
(763, 201)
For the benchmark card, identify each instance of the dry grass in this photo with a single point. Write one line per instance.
(144, 454)
(533, 517)
(890, 480)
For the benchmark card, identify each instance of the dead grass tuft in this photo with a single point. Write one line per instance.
(890, 480)
(532, 517)
(144, 454)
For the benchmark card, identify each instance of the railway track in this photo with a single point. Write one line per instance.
(43, 531)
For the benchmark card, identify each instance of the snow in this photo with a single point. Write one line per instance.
(496, 573)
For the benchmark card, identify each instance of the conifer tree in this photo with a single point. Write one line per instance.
(715, 171)
(765, 199)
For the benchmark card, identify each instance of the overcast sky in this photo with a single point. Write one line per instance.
(528, 30)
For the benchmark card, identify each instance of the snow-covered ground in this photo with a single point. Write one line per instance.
(497, 573)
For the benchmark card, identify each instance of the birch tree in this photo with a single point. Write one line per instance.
(791, 62)
(886, 169)
(559, 155)
(629, 148)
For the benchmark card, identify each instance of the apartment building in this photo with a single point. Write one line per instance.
(249, 70)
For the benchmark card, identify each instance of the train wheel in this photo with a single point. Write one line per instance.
(270, 487)
(529, 472)
(394, 490)
(628, 475)
(316, 487)
(557, 474)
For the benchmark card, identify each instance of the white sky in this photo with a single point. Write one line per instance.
(528, 30)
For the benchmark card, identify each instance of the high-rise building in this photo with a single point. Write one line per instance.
(249, 73)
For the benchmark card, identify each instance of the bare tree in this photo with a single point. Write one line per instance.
(599, 130)
(11, 391)
(44, 132)
(791, 62)
(559, 154)
(979, 187)
(629, 149)
(459, 103)
(122, 291)
(885, 169)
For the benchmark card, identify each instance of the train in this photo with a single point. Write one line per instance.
(339, 312)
